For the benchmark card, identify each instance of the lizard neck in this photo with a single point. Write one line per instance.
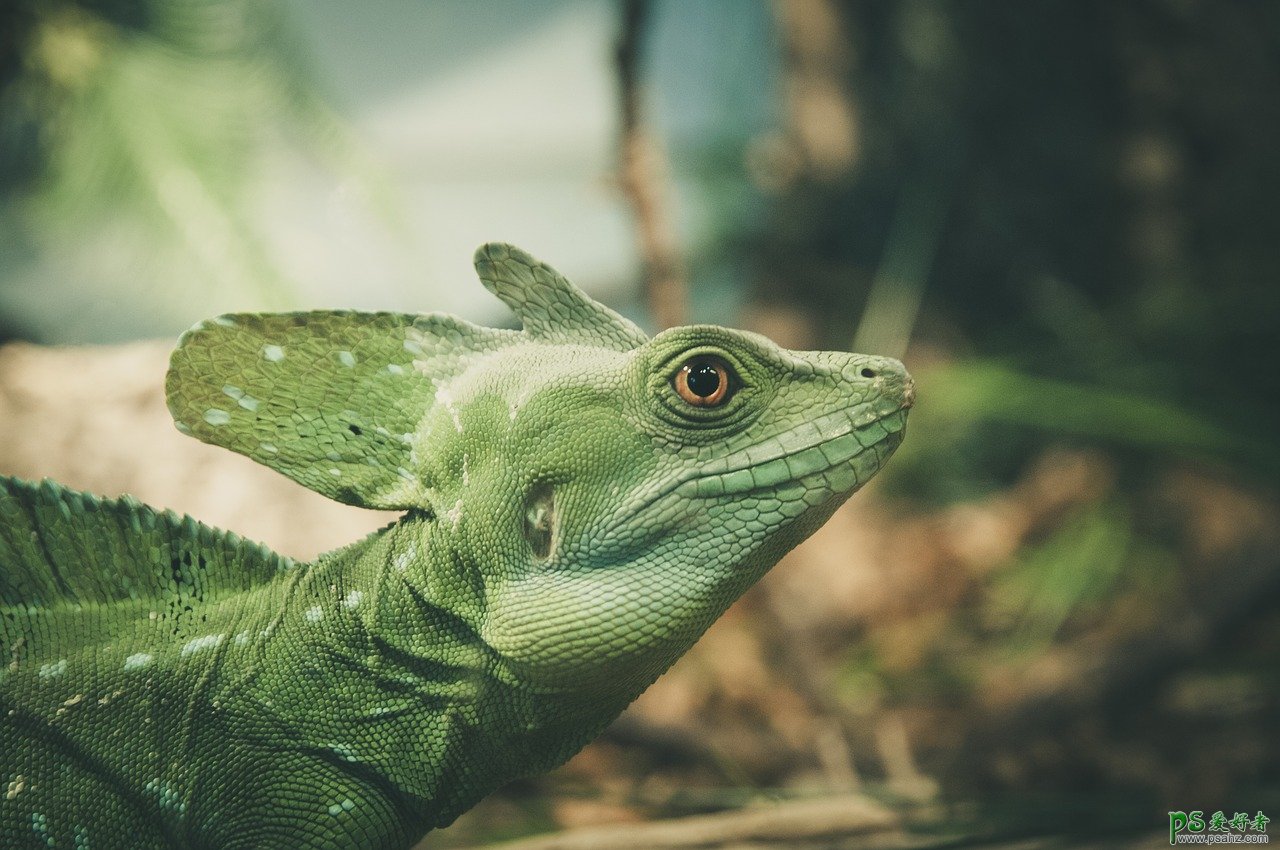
(428, 710)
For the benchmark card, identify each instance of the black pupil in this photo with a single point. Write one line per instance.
(704, 380)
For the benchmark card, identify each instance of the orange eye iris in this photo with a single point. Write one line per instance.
(703, 382)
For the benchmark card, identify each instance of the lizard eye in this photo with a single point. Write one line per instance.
(703, 381)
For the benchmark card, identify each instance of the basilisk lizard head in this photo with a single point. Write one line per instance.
(598, 497)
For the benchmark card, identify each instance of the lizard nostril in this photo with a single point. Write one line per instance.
(868, 373)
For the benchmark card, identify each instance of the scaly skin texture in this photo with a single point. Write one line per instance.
(578, 508)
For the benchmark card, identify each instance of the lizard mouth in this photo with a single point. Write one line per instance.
(816, 448)
(821, 455)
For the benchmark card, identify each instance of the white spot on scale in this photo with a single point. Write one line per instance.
(346, 358)
(445, 399)
(202, 643)
(345, 806)
(225, 321)
(393, 369)
(454, 514)
(352, 600)
(405, 558)
(242, 398)
(216, 416)
(314, 614)
(16, 786)
(519, 402)
(273, 353)
(138, 660)
(270, 448)
(335, 472)
(49, 671)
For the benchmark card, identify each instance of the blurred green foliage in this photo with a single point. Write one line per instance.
(1078, 566)
(1107, 181)
(1064, 214)
(982, 418)
(132, 135)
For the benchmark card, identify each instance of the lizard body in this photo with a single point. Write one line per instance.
(580, 503)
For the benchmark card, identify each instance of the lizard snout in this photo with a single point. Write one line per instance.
(888, 375)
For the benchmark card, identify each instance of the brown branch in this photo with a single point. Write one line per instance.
(788, 824)
(642, 176)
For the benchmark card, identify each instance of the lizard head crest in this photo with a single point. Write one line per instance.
(336, 399)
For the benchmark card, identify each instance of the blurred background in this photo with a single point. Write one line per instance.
(1052, 619)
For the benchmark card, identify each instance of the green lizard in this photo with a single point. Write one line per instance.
(580, 503)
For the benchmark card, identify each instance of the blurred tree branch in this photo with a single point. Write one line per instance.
(828, 822)
(643, 178)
